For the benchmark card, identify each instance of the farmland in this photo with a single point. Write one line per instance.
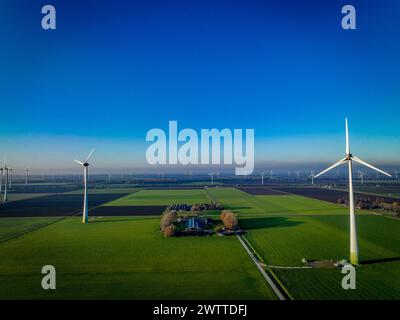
(246, 204)
(330, 195)
(285, 234)
(162, 197)
(127, 258)
(52, 205)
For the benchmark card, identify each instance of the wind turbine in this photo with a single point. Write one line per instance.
(262, 177)
(26, 176)
(6, 169)
(361, 175)
(349, 158)
(1, 178)
(312, 177)
(85, 165)
(9, 185)
(212, 177)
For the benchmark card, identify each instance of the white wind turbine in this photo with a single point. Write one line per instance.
(262, 177)
(6, 184)
(26, 176)
(85, 165)
(9, 178)
(349, 158)
(361, 175)
(1, 179)
(212, 177)
(312, 175)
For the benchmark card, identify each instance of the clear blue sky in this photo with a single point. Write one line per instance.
(115, 69)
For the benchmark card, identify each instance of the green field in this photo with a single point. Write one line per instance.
(289, 228)
(105, 191)
(247, 204)
(162, 197)
(10, 227)
(127, 258)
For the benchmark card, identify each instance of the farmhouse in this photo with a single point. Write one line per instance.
(194, 224)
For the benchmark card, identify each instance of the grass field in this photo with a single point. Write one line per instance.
(244, 203)
(10, 227)
(105, 191)
(289, 228)
(127, 258)
(162, 197)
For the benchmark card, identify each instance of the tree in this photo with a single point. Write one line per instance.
(229, 220)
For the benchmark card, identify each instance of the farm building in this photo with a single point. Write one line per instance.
(194, 224)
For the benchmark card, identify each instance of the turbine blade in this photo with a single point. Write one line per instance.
(369, 165)
(77, 161)
(331, 167)
(347, 138)
(90, 154)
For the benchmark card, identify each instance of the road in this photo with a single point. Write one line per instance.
(274, 287)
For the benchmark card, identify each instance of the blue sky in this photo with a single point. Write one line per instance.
(115, 69)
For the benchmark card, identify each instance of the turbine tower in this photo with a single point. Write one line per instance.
(85, 165)
(312, 177)
(26, 176)
(361, 175)
(6, 169)
(9, 178)
(1, 179)
(212, 177)
(262, 177)
(349, 158)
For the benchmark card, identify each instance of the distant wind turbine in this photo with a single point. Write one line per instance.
(6, 169)
(85, 165)
(1, 178)
(361, 175)
(9, 185)
(212, 177)
(349, 158)
(312, 177)
(262, 177)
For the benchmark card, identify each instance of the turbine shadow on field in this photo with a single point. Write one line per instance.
(116, 220)
(273, 222)
(373, 261)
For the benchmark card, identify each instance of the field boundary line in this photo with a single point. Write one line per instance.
(210, 195)
(271, 283)
(18, 235)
